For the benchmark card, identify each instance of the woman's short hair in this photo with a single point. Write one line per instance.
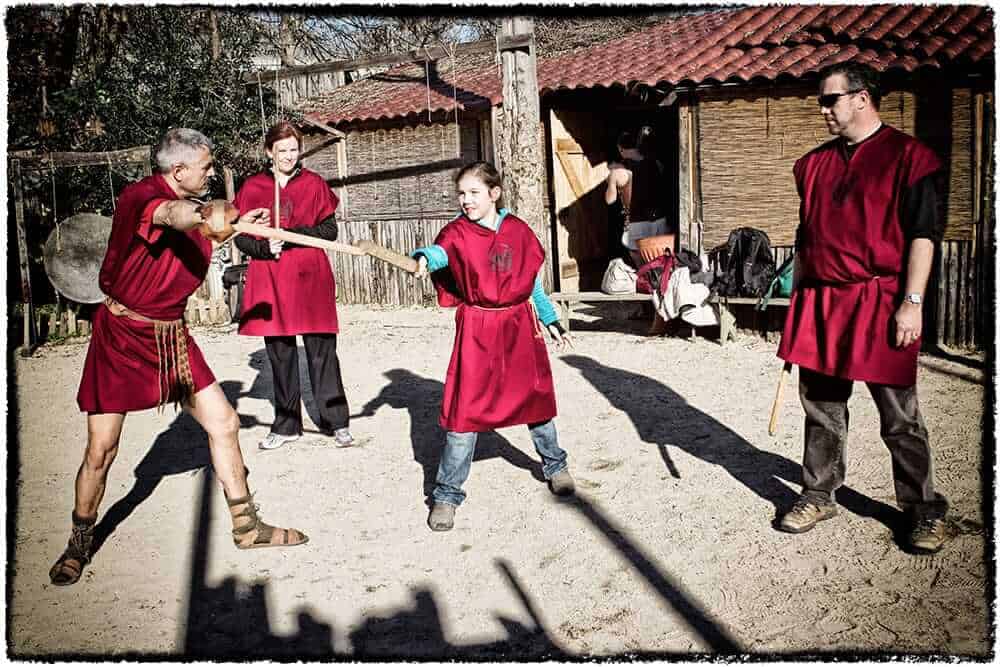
(281, 130)
(180, 145)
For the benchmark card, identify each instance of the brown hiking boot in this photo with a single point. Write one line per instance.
(805, 514)
(442, 517)
(929, 535)
(562, 483)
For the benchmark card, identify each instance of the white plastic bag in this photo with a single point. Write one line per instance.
(619, 278)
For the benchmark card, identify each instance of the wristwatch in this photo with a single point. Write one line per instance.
(914, 298)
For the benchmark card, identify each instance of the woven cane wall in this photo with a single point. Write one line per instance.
(397, 190)
(400, 172)
(748, 146)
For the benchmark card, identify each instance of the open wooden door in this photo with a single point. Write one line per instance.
(579, 174)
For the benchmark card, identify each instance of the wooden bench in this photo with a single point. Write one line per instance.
(564, 301)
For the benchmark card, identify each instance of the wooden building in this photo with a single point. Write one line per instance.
(731, 96)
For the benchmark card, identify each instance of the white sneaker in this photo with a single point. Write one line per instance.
(342, 437)
(275, 440)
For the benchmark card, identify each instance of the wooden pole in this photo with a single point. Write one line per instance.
(22, 250)
(519, 144)
(772, 425)
(230, 184)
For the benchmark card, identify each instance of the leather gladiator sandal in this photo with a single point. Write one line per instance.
(249, 532)
(69, 567)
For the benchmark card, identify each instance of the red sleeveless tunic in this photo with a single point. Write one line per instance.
(499, 373)
(296, 294)
(852, 259)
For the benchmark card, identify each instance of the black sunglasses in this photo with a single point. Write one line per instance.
(827, 101)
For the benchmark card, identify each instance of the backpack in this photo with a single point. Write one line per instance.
(619, 278)
(743, 265)
(781, 286)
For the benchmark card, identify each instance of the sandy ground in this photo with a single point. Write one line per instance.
(669, 547)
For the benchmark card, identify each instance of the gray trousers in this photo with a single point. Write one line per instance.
(824, 399)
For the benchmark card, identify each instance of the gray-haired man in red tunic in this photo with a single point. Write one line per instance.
(141, 354)
(868, 226)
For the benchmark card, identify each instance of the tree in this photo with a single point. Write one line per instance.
(110, 77)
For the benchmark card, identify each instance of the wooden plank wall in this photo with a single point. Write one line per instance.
(954, 299)
(364, 280)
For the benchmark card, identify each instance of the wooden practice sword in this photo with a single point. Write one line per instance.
(365, 247)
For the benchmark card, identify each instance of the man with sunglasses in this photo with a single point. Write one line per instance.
(865, 244)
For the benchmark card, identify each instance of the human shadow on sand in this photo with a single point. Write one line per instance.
(181, 448)
(663, 418)
(421, 397)
(224, 622)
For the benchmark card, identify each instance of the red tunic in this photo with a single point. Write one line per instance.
(499, 373)
(852, 259)
(152, 270)
(296, 293)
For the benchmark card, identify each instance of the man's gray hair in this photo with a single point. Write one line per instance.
(179, 145)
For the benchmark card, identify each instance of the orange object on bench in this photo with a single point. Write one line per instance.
(652, 247)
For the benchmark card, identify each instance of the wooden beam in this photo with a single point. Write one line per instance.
(22, 251)
(415, 55)
(568, 145)
(567, 167)
(36, 160)
(323, 126)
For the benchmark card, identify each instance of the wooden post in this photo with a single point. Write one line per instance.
(230, 185)
(685, 208)
(519, 144)
(30, 331)
(342, 175)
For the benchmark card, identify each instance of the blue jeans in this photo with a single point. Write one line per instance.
(459, 449)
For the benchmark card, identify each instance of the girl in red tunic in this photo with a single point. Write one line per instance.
(487, 263)
(290, 291)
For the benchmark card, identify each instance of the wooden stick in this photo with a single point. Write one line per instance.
(300, 239)
(772, 426)
(363, 247)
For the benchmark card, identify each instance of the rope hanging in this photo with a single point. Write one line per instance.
(427, 77)
(55, 217)
(263, 121)
(111, 185)
(454, 100)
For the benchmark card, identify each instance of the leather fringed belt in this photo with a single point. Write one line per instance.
(174, 366)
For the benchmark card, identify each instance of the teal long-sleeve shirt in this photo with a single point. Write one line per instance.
(437, 259)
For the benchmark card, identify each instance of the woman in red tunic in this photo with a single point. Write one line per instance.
(487, 263)
(290, 291)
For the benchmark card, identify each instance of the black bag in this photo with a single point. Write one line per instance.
(233, 279)
(743, 265)
(234, 275)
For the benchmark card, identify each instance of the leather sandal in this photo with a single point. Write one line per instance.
(253, 533)
(69, 567)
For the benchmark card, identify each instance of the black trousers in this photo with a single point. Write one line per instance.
(824, 399)
(324, 377)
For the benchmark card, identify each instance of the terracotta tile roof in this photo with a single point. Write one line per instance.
(404, 91)
(753, 43)
(789, 40)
